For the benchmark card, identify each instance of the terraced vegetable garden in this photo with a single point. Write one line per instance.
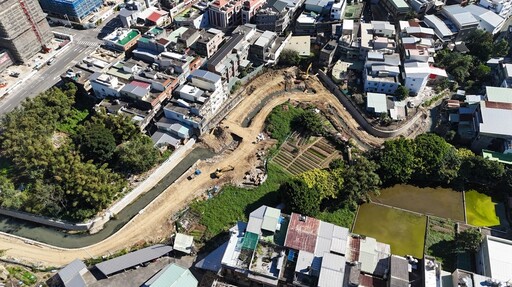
(299, 154)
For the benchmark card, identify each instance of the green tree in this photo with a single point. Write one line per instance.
(468, 240)
(397, 160)
(501, 48)
(137, 155)
(361, 181)
(319, 180)
(480, 44)
(401, 93)
(478, 170)
(96, 143)
(279, 122)
(300, 198)
(311, 122)
(289, 58)
(456, 64)
(481, 72)
(436, 159)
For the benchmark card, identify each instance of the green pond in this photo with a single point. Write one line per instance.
(441, 202)
(404, 231)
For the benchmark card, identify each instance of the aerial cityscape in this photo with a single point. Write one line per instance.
(224, 143)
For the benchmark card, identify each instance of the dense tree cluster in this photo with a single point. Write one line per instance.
(339, 186)
(63, 164)
(429, 158)
(471, 68)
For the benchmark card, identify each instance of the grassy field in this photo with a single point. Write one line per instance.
(440, 241)
(234, 203)
(341, 217)
(440, 202)
(480, 210)
(23, 275)
(404, 231)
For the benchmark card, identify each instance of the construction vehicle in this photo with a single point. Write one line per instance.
(220, 171)
(196, 173)
(306, 75)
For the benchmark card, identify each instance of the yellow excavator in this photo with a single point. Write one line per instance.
(220, 171)
(306, 75)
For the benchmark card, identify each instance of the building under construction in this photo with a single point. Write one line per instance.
(24, 30)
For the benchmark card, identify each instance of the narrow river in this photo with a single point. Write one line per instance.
(57, 238)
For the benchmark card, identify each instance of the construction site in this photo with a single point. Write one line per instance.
(240, 161)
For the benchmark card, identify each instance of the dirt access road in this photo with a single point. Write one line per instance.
(153, 223)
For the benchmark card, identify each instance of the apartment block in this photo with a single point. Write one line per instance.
(250, 8)
(72, 10)
(24, 30)
(225, 13)
(209, 42)
(377, 36)
(381, 72)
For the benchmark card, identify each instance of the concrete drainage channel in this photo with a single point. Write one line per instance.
(57, 238)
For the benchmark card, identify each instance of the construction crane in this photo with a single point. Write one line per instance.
(44, 49)
(306, 75)
(220, 171)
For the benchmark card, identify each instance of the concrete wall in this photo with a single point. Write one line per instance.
(354, 111)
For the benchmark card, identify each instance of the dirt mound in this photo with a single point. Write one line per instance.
(218, 139)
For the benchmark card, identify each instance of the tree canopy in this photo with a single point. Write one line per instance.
(401, 93)
(62, 159)
(468, 240)
(289, 58)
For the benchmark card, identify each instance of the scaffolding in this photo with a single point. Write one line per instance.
(34, 27)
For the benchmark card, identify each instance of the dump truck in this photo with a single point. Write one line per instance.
(220, 171)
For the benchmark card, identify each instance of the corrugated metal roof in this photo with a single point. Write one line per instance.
(254, 225)
(205, 75)
(70, 274)
(498, 94)
(183, 243)
(172, 276)
(271, 219)
(332, 271)
(133, 259)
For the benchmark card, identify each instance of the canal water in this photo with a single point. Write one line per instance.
(57, 238)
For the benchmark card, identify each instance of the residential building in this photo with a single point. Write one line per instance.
(322, 7)
(129, 14)
(417, 49)
(490, 115)
(327, 53)
(305, 24)
(250, 8)
(225, 13)
(470, 17)
(377, 103)
(226, 61)
(196, 102)
(445, 32)
(153, 16)
(209, 42)
(348, 43)
(158, 40)
(381, 73)
(396, 8)
(417, 74)
(275, 15)
(338, 10)
(172, 275)
(192, 17)
(300, 44)
(122, 39)
(377, 36)
(24, 30)
(266, 47)
(72, 10)
(505, 75)
(104, 85)
(422, 6)
(276, 249)
(502, 7)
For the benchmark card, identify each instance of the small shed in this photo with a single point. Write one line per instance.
(377, 103)
(184, 243)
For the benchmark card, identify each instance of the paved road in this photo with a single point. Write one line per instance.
(84, 42)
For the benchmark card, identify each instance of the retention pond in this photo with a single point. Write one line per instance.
(57, 238)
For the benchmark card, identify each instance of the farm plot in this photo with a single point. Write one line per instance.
(299, 154)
